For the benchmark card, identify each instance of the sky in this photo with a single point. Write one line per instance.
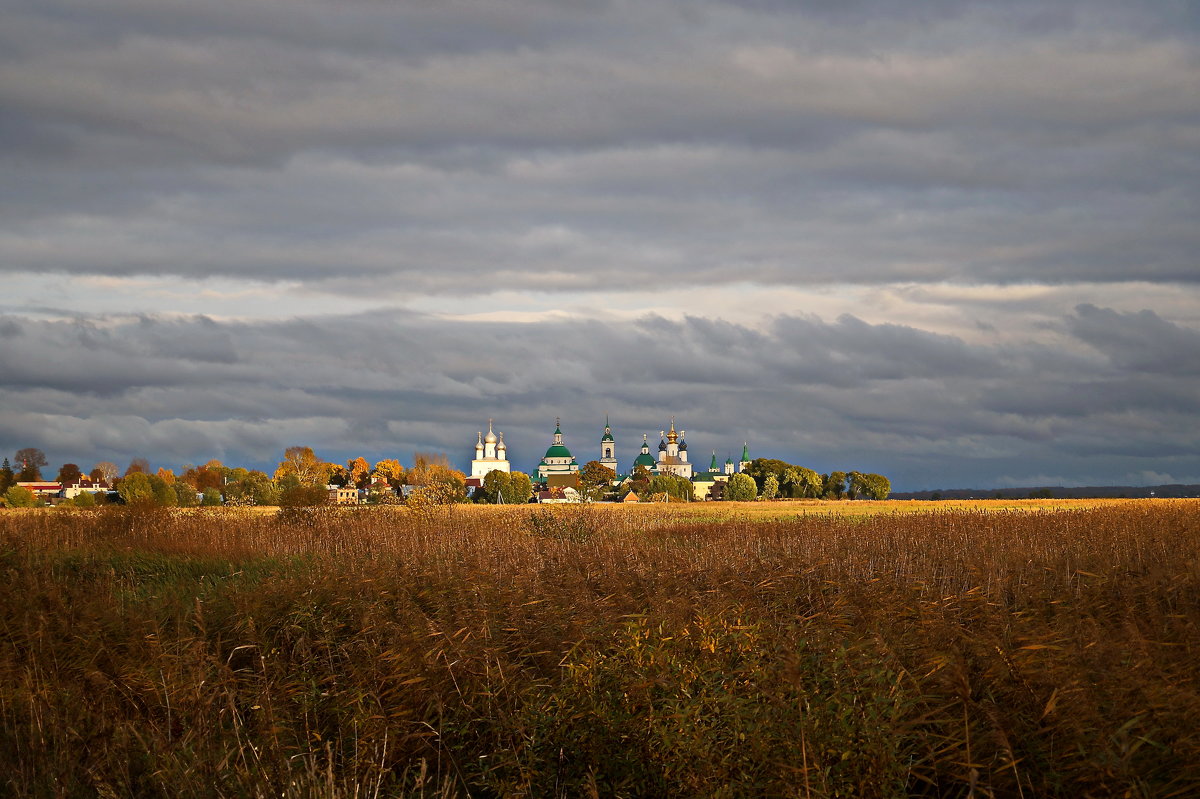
(954, 243)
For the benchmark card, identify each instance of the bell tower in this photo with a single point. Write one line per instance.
(608, 447)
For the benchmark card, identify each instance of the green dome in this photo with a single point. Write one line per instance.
(645, 459)
(558, 451)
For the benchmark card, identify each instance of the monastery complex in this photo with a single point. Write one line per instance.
(559, 467)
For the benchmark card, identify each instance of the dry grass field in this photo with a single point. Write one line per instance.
(1027, 648)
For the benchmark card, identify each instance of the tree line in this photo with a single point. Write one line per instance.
(301, 478)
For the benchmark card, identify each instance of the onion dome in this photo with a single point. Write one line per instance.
(712, 467)
(608, 436)
(500, 446)
(662, 445)
(682, 442)
(558, 451)
(490, 438)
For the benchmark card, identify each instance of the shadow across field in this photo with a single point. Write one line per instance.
(591, 651)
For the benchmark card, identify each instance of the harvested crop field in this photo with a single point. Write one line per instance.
(771, 649)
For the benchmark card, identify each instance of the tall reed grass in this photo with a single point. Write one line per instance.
(583, 651)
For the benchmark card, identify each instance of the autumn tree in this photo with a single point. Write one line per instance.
(434, 469)
(639, 481)
(360, 472)
(31, 460)
(138, 466)
(105, 470)
(391, 470)
(69, 473)
(202, 478)
(166, 475)
(596, 480)
(305, 465)
(339, 475)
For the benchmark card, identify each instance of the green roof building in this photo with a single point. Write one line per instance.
(558, 459)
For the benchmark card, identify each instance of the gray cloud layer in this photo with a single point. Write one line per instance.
(557, 145)
(967, 166)
(928, 409)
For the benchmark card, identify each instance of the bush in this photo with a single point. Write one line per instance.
(20, 497)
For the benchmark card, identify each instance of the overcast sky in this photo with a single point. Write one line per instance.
(957, 243)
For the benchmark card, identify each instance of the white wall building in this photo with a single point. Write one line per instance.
(490, 454)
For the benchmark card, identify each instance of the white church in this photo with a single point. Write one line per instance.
(490, 454)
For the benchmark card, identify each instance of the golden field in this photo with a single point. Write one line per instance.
(989, 648)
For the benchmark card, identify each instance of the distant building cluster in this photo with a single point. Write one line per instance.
(558, 470)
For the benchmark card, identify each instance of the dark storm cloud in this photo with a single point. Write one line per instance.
(578, 145)
(922, 407)
(1139, 342)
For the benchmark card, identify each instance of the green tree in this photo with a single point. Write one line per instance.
(135, 489)
(85, 499)
(596, 479)
(162, 491)
(185, 495)
(759, 468)
(520, 489)
(19, 497)
(212, 497)
(31, 460)
(791, 484)
(835, 485)
(741, 488)
(251, 488)
(676, 488)
(7, 476)
(876, 486)
(770, 488)
(811, 483)
(494, 484)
